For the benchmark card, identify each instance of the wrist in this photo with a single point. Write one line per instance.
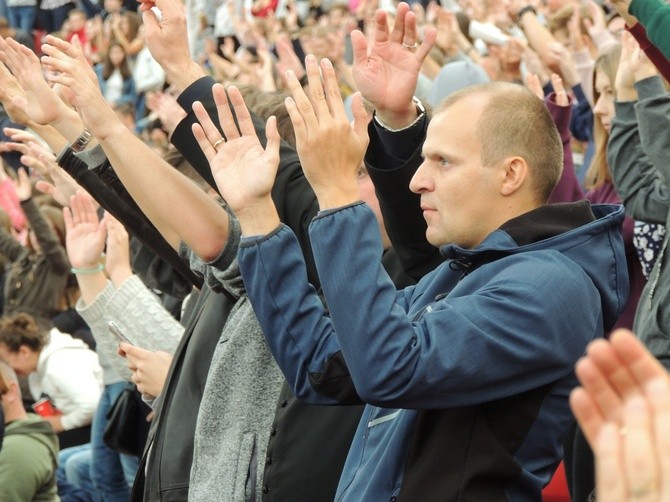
(624, 94)
(528, 10)
(397, 121)
(332, 197)
(258, 218)
(119, 275)
(184, 74)
(644, 73)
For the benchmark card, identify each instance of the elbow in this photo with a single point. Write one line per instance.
(209, 251)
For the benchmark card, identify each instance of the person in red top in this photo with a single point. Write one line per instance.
(263, 8)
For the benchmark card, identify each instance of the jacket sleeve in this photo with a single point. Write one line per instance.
(568, 188)
(10, 247)
(96, 316)
(122, 207)
(457, 352)
(643, 191)
(655, 17)
(652, 52)
(392, 159)
(652, 111)
(403, 350)
(295, 323)
(52, 249)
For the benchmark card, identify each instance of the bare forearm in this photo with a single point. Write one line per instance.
(176, 206)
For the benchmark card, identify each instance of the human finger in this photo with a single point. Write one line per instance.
(642, 365)
(639, 459)
(559, 90)
(302, 104)
(317, 95)
(533, 84)
(603, 355)
(598, 387)
(610, 479)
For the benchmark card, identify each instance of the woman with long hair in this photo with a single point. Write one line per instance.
(114, 76)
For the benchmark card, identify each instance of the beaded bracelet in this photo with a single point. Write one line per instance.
(87, 271)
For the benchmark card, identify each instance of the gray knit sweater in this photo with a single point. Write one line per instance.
(239, 400)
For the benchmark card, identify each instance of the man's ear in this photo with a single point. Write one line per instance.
(516, 174)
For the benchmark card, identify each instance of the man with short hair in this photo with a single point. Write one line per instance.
(465, 375)
(28, 458)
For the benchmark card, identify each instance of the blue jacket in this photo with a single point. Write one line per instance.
(466, 374)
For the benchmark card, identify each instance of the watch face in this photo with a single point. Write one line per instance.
(83, 140)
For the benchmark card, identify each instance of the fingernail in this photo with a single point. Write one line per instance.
(326, 63)
(290, 74)
(310, 59)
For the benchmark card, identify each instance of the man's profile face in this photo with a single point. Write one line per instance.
(458, 194)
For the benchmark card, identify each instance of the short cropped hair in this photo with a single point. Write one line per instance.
(516, 123)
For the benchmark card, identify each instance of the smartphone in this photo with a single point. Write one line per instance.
(118, 334)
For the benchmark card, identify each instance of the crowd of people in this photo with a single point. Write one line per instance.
(343, 251)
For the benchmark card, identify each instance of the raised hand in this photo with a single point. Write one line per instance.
(634, 66)
(597, 24)
(559, 90)
(386, 73)
(243, 170)
(330, 149)
(38, 100)
(167, 109)
(623, 408)
(534, 65)
(566, 65)
(85, 233)
(168, 42)
(288, 60)
(74, 73)
(10, 90)
(534, 85)
(117, 261)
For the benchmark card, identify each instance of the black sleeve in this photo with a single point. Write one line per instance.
(124, 209)
(292, 194)
(392, 159)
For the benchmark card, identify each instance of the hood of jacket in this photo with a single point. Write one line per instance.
(38, 429)
(579, 230)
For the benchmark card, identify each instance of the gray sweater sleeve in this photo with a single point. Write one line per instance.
(95, 315)
(142, 318)
(639, 184)
(222, 272)
(653, 118)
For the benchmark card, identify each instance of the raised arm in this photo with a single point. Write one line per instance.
(386, 73)
(204, 226)
(641, 187)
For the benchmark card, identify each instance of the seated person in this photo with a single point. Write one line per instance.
(28, 456)
(59, 368)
